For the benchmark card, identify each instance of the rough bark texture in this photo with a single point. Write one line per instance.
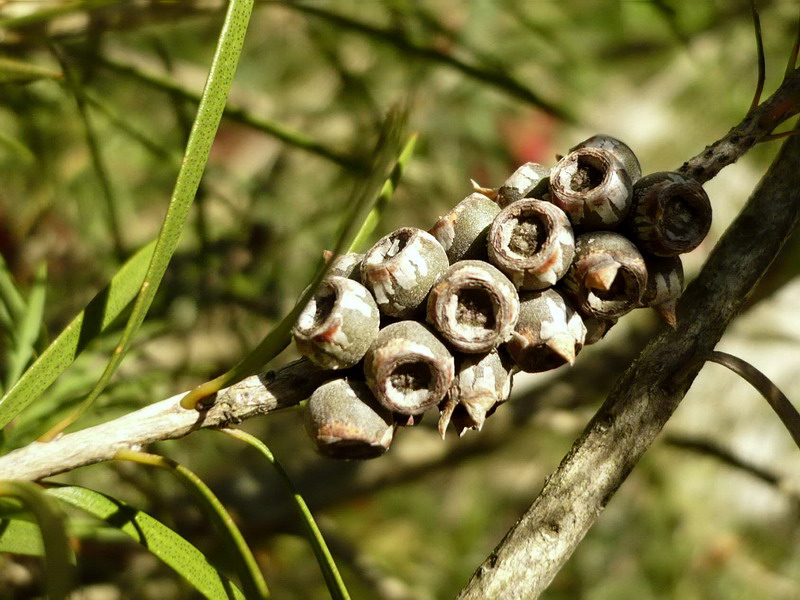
(165, 420)
(645, 397)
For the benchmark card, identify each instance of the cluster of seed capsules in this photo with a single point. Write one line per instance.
(517, 278)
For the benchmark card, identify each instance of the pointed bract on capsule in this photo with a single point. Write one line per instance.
(400, 270)
(588, 283)
(345, 421)
(462, 231)
(592, 187)
(520, 183)
(408, 369)
(549, 333)
(670, 214)
(474, 307)
(482, 381)
(664, 285)
(338, 325)
(596, 329)
(621, 151)
(531, 241)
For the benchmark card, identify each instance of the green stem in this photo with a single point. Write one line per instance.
(330, 572)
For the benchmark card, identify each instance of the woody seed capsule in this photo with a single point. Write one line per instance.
(596, 329)
(608, 276)
(344, 421)
(520, 183)
(473, 306)
(462, 231)
(400, 270)
(592, 187)
(618, 148)
(482, 382)
(407, 368)
(664, 285)
(550, 332)
(531, 241)
(345, 265)
(670, 214)
(338, 325)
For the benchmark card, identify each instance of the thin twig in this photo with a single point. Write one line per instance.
(762, 62)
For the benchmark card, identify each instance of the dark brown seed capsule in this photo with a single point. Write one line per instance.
(596, 329)
(338, 325)
(520, 183)
(462, 231)
(531, 241)
(550, 332)
(482, 382)
(670, 214)
(345, 265)
(621, 151)
(664, 285)
(408, 369)
(473, 306)
(608, 276)
(345, 421)
(400, 270)
(592, 187)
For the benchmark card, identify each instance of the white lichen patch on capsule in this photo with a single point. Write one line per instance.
(444, 230)
(357, 301)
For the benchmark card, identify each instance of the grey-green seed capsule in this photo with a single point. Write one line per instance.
(664, 285)
(520, 183)
(345, 265)
(462, 231)
(339, 324)
(482, 382)
(670, 214)
(531, 241)
(474, 307)
(400, 270)
(345, 421)
(408, 369)
(550, 332)
(592, 187)
(621, 151)
(608, 276)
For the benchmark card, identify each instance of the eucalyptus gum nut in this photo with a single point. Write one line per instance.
(608, 276)
(520, 183)
(664, 285)
(621, 151)
(462, 231)
(408, 368)
(596, 329)
(550, 332)
(345, 421)
(338, 325)
(592, 187)
(345, 265)
(670, 215)
(401, 268)
(531, 241)
(474, 307)
(541, 190)
(482, 381)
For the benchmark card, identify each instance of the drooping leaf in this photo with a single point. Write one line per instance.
(17, 71)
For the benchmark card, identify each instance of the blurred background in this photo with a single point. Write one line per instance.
(86, 172)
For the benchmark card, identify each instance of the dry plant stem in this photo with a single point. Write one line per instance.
(646, 395)
(165, 420)
(757, 126)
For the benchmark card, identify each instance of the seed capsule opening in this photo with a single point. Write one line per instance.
(621, 294)
(682, 220)
(528, 234)
(476, 310)
(410, 384)
(586, 173)
(392, 245)
(319, 309)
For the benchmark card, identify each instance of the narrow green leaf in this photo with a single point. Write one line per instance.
(209, 114)
(164, 543)
(9, 294)
(28, 328)
(49, 13)
(21, 151)
(17, 71)
(57, 551)
(250, 576)
(330, 572)
(20, 537)
(364, 197)
(90, 323)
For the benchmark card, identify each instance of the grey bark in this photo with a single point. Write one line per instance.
(646, 395)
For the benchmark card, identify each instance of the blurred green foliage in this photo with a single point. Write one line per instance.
(668, 77)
